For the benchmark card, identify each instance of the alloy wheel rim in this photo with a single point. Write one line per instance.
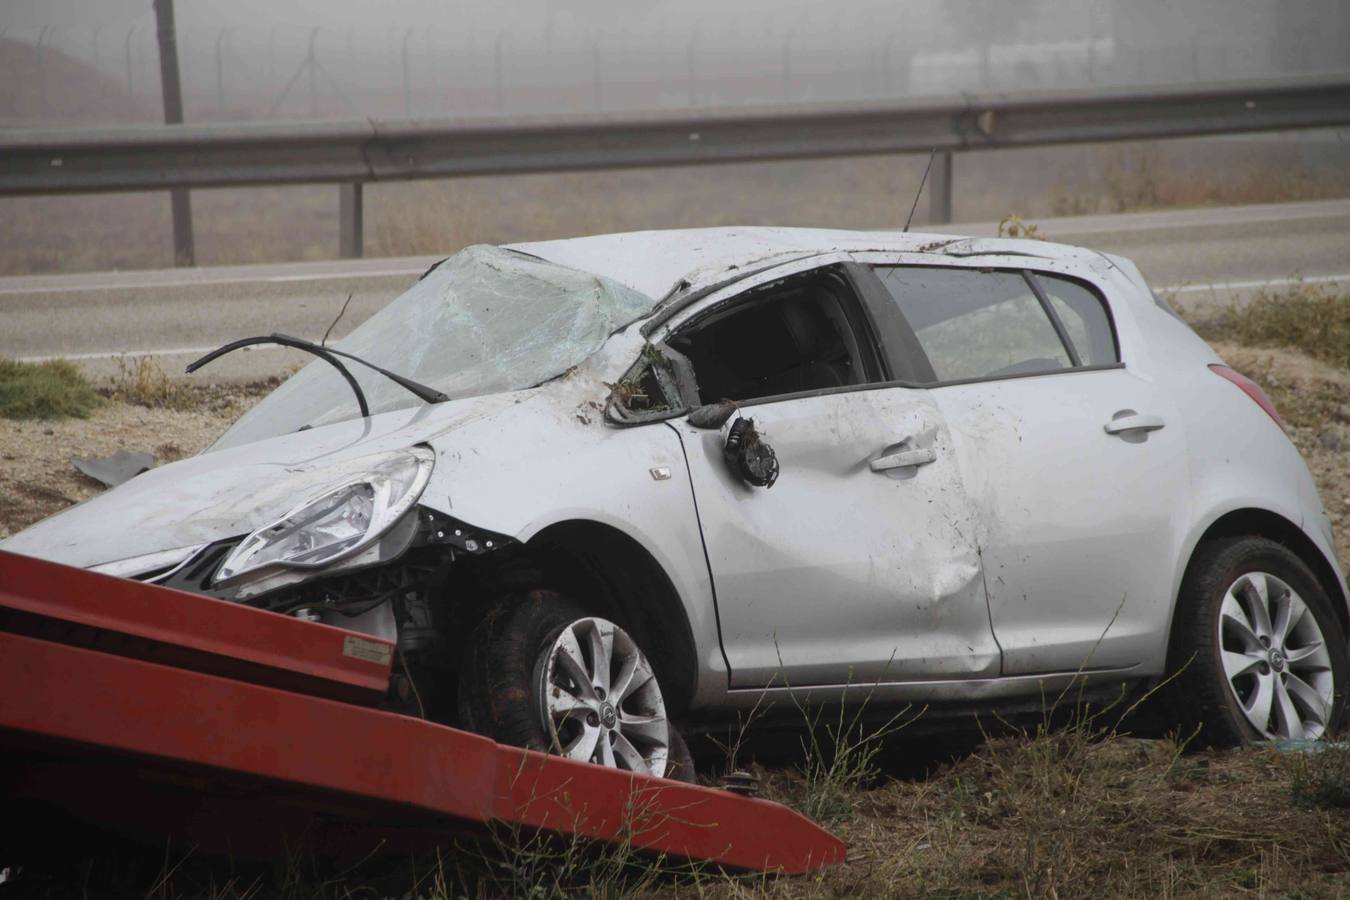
(1275, 658)
(599, 699)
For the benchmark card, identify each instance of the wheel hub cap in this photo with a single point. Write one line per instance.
(599, 700)
(1274, 658)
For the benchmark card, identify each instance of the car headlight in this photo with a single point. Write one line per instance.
(338, 523)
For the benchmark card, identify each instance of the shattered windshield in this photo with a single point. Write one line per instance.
(484, 321)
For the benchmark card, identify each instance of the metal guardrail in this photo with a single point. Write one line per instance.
(351, 153)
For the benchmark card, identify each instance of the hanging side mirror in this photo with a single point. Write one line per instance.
(749, 456)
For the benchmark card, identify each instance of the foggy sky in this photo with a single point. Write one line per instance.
(610, 15)
(240, 58)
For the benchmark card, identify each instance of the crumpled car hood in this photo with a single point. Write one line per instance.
(234, 491)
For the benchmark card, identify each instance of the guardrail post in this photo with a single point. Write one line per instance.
(940, 191)
(351, 221)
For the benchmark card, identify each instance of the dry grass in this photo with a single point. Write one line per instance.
(1141, 177)
(1014, 226)
(142, 381)
(1313, 319)
(1058, 813)
(1073, 814)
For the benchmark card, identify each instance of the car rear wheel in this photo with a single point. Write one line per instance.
(541, 673)
(1257, 651)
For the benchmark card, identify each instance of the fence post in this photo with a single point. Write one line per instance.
(221, 37)
(407, 98)
(351, 221)
(599, 99)
(497, 68)
(42, 65)
(940, 191)
(311, 63)
(184, 253)
(131, 103)
(690, 74)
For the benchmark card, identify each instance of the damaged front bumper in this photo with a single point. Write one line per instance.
(384, 590)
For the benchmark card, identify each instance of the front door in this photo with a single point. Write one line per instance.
(859, 564)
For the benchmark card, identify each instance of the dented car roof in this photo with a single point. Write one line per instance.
(660, 262)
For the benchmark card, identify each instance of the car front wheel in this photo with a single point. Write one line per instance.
(541, 673)
(1257, 651)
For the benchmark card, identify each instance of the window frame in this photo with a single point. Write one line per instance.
(723, 297)
(857, 317)
(1035, 277)
(890, 332)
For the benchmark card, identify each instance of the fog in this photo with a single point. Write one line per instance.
(289, 59)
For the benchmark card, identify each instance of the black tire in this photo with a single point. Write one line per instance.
(679, 761)
(498, 681)
(1198, 699)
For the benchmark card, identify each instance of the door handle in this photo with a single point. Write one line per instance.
(1128, 420)
(904, 459)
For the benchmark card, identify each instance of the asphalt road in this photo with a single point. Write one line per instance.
(1201, 256)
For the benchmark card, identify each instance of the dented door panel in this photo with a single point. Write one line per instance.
(840, 572)
(1079, 527)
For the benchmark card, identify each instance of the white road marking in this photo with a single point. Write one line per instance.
(1248, 285)
(167, 351)
(196, 282)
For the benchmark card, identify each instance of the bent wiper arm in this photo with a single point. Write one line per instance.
(427, 394)
(322, 352)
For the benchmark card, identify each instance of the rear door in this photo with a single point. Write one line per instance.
(859, 563)
(1073, 459)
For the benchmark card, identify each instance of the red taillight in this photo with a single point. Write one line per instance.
(1251, 389)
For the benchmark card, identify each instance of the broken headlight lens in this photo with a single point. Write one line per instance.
(336, 524)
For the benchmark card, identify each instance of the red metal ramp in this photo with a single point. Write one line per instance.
(231, 727)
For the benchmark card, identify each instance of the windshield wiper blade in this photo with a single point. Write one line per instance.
(329, 355)
(416, 388)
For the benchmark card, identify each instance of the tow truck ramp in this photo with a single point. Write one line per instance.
(164, 713)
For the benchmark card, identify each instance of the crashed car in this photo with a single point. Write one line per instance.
(597, 486)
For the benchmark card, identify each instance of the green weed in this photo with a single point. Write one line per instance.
(1322, 779)
(55, 389)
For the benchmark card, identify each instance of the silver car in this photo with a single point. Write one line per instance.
(597, 486)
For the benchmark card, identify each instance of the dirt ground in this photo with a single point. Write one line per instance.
(37, 478)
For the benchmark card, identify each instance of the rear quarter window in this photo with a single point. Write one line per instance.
(1084, 317)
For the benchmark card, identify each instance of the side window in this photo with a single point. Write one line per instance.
(1084, 319)
(974, 324)
(802, 333)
